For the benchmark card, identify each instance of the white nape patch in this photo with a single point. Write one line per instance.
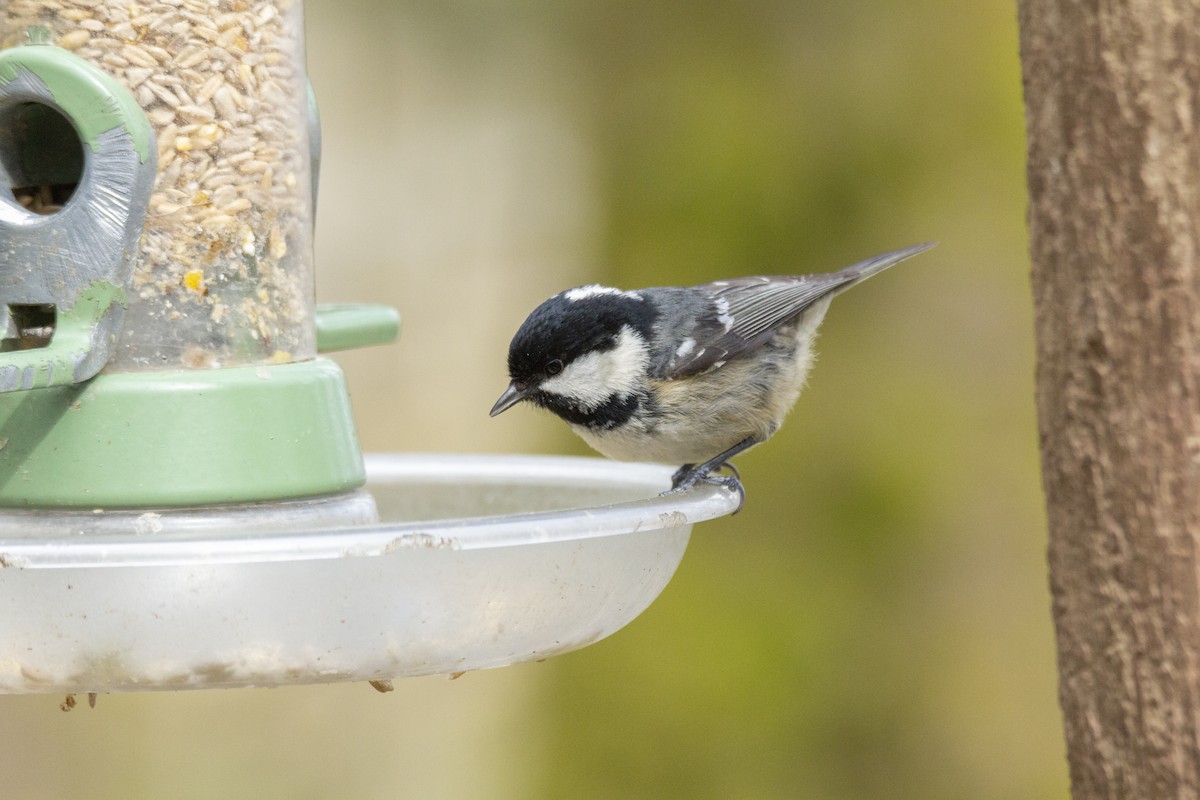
(592, 290)
(685, 348)
(592, 379)
(723, 315)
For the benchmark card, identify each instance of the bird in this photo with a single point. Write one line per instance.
(683, 375)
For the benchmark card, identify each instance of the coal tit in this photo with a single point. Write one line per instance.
(688, 376)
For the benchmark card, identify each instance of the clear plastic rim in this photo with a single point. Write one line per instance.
(655, 512)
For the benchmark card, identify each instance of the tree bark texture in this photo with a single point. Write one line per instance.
(1112, 95)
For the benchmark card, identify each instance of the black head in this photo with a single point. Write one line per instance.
(566, 327)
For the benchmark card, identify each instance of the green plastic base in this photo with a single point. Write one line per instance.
(197, 437)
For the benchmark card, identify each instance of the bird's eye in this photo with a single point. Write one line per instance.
(554, 367)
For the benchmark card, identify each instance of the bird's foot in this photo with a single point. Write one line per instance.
(680, 474)
(689, 475)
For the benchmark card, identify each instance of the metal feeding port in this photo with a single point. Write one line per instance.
(183, 500)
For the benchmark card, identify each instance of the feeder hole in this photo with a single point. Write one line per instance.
(41, 154)
(28, 326)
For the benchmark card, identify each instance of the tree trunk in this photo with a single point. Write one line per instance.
(1111, 97)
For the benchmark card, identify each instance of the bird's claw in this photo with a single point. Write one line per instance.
(680, 474)
(688, 476)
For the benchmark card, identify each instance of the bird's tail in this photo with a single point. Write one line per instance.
(857, 273)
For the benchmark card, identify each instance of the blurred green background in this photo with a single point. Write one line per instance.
(875, 623)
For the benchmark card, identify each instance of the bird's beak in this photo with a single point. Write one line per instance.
(512, 395)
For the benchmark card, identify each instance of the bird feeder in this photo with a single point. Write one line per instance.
(183, 501)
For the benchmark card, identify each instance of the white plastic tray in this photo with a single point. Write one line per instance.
(477, 562)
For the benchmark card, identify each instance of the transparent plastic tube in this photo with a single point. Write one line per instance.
(224, 273)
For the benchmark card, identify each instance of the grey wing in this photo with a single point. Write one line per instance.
(744, 312)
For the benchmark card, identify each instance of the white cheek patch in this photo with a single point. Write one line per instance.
(592, 379)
